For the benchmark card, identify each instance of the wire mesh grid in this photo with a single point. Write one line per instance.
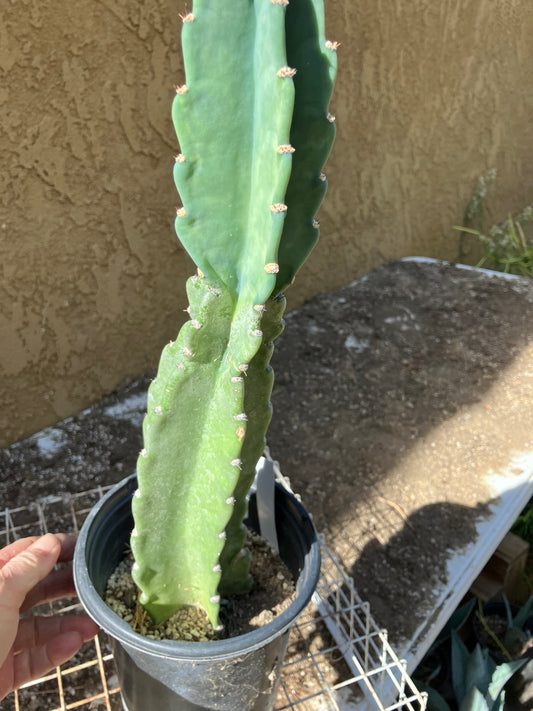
(337, 659)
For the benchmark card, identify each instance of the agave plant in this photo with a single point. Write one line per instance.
(478, 683)
(254, 131)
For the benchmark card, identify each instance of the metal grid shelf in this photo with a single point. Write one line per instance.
(337, 660)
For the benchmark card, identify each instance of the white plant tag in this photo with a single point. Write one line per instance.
(265, 494)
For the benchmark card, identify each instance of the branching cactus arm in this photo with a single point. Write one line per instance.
(258, 383)
(312, 132)
(231, 115)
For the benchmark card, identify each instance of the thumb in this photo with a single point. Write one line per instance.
(25, 570)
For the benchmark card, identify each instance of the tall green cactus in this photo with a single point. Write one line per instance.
(254, 131)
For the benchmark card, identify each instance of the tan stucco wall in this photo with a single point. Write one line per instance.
(429, 96)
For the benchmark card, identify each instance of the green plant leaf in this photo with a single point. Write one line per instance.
(479, 669)
(522, 615)
(470, 231)
(474, 701)
(512, 232)
(508, 612)
(456, 621)
(459, 664)
(436, 701)
(500, 677)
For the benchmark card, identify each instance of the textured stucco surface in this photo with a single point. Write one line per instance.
(429, 96)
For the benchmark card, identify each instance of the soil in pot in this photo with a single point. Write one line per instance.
(272, 592)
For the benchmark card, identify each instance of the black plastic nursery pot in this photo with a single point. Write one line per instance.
(237, 674)
(497, 609)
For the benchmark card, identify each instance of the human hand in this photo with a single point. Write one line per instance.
(31, 646)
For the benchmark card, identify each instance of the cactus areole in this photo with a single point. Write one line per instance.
(254, 129)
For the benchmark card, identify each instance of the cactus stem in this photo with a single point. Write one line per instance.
(286, 72)
(330, 118)
(333, 46)
(201, 488)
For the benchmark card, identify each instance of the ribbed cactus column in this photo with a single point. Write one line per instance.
(240, 134)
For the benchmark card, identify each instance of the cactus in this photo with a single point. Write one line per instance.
(254, 131)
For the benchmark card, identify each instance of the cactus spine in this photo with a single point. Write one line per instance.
(254, 131)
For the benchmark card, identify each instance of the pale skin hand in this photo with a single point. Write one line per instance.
(31, 646)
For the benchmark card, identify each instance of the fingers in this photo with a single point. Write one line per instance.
(59, 584)
(15, 548)
(39, 631)
(68, 543)
(47, 642)
(18, 576)
(42, 644)
(36, 662)
(32, 646)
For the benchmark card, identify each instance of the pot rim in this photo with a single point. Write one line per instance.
(243, 644)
